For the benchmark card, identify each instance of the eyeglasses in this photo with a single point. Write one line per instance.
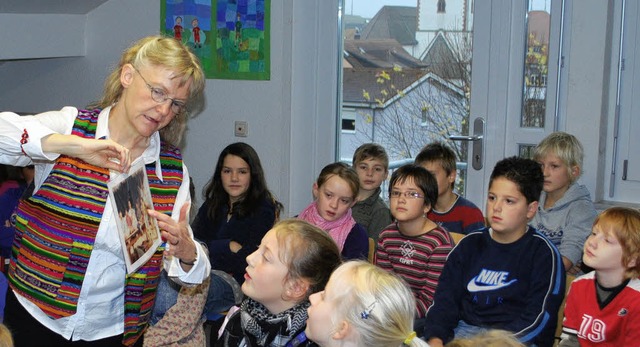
(158, 95)
(408, 195)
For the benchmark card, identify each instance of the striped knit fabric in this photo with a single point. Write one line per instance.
(419, 260)
(57, 226)
(141, 286)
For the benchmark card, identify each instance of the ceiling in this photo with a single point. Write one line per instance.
(49, 6)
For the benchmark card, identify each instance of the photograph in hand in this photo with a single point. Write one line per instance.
(139, 233)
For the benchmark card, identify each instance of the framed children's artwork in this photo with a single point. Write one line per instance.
(139, 233)
(231, 37)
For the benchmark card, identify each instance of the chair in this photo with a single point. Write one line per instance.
(372, 250)
(570, 279)
(456, 237)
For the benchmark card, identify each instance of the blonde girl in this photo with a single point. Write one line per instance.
(363, 305)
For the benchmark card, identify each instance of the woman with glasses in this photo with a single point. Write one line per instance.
(67, 273)
(415, 247)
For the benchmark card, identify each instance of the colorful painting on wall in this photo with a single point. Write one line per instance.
(231, 37)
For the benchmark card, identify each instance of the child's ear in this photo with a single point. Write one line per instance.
(632, 263)
(426, 208)
(296, 289)
(532, 209)
(342, 330)
(452, 177)
(575, 172)
(315, 190)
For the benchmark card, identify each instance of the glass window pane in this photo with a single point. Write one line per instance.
(526, 151)
(407, 75)
(536, 64)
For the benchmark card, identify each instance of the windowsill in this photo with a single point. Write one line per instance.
(603, 205)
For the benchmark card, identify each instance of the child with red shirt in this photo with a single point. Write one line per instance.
(603, 306)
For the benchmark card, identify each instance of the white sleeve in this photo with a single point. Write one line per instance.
(20, 136)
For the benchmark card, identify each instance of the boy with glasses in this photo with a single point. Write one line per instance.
(415, 247)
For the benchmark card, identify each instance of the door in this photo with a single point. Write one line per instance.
(624, 165)
(512, 62)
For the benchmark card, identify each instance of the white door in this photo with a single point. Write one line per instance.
(499, 86)
(624, 163)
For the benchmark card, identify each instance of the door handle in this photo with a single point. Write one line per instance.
(478, 142)
(464, 138)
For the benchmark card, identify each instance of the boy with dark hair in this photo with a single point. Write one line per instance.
(451, 211)
(506, 276)
(414, 247)
(371, 163)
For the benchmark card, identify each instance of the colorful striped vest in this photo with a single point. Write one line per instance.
(56, 229)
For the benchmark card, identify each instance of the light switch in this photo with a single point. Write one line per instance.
(241, 128)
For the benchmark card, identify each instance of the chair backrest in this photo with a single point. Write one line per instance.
(570, 279)
(456, 237)
(372, 250)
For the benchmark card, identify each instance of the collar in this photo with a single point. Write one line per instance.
(150, 155)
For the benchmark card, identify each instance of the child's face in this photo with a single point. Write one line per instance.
(406, 209)
(320, 324)
(334, 198)
(602, 251)
(556, 174)
(371, 173)
(444, 180)
(236, 177)
(265, 277)
(507, 210)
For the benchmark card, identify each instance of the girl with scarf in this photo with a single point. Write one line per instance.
(335, 193)
(237, 212)
(294, 260)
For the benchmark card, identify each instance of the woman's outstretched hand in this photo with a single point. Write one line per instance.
(103, 153)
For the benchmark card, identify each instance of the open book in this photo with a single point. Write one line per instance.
(139, 233)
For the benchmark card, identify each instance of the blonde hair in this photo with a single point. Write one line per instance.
(6, 340)
(566, 147)
(624, 223)
(308, 252)
(164, 52)
(388, 304)
(490, 338)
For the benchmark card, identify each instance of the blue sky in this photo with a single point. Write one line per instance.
(369, 8)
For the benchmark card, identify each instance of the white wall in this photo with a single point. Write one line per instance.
(287, 115)
(47, 84)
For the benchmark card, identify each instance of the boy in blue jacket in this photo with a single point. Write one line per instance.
(506, 276)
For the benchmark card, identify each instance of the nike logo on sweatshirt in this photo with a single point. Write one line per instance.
(488, 280)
